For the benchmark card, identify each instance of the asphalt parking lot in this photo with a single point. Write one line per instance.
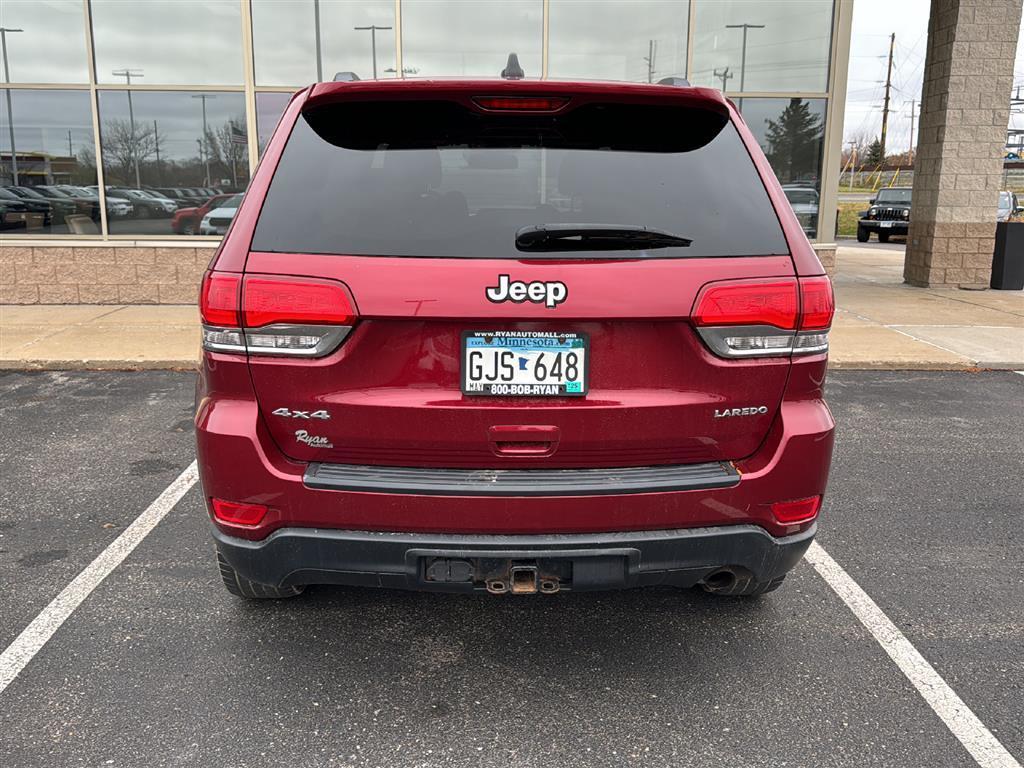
(159, 666)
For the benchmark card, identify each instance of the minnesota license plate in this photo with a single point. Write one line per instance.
(524, 363)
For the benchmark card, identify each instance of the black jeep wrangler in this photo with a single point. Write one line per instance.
(888, 215)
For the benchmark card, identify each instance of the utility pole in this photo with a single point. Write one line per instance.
(156, 143)
(71, 151)
(128, 74)
(652, 51)
(10, 113)
(725, 74)
(204, 145)
(913, 121)
(853, 162)
(743, 56)
(888, 86)
(373, 42)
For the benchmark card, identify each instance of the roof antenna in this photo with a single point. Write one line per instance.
(512, 70)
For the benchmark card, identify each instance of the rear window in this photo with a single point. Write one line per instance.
(441, 181)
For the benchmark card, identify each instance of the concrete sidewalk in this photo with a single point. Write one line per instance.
(879, 323)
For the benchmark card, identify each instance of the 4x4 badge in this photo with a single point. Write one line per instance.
(551, 294)
(288, 413)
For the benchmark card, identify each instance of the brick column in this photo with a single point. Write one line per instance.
(968, 76)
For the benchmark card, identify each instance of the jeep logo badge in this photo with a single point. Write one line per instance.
(550, 294)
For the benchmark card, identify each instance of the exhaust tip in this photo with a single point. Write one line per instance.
(721, 580)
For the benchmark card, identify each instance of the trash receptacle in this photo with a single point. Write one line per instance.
(1008, 259)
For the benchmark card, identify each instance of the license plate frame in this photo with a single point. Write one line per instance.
(486, 389)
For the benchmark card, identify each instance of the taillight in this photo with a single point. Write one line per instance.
(236, 513)
(270, 315)
(797, 510)
(218, 302)
(762, 318)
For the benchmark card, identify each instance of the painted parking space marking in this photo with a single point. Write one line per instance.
(32, 639)
(984, 747)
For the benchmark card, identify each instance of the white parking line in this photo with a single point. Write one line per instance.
(41, 629)
(958, 717)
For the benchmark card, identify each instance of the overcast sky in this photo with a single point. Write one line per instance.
(873, 22)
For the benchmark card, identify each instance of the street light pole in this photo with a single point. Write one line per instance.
(743, 55)
(206, 152)
(319, 55)
(10, 112)
(128, 74)
(373, 42)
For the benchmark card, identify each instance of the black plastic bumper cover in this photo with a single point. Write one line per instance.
(682, 557)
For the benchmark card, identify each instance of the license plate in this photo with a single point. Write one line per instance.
(885, 224)
(524, 363)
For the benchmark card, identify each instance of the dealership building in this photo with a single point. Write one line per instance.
(132, 110)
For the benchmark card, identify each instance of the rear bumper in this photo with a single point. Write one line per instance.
(682, 558)
(239, 461)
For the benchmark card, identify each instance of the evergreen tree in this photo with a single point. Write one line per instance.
(874, 158)
(794, 141)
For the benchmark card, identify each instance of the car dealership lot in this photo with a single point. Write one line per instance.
(160, 666)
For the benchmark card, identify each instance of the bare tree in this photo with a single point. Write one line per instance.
(231, 147)
(124, 147)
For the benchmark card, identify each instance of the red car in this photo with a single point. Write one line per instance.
(513, 337)
(186, 220)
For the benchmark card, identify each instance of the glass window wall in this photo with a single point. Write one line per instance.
(46, 178)
(638, 40)
(181, 65)
(762, 45)
(164, 151)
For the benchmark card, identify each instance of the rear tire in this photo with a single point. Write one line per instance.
(862, 235)
(745, 586)
(883, 237)
(242, 587)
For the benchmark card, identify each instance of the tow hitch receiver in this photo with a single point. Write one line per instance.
(524, 580)
(498, 576)
(527, 577)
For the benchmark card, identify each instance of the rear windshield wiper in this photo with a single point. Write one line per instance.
(595, 237)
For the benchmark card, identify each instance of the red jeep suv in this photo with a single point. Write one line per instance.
(516, 337)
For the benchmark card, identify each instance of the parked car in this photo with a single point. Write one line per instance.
(37, 210)
(804, 202)
(1009, 206)
(186, 220)
(84, 206)
(62, 205)
(888, 215)
(418, 374)
(117, 208)
(145, 206)
(162, 197)
(13, 213)
(217, 219)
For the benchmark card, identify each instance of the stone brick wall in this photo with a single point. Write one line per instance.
(827, 256)
(105, 273)
(965, 106)
(111, 273)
